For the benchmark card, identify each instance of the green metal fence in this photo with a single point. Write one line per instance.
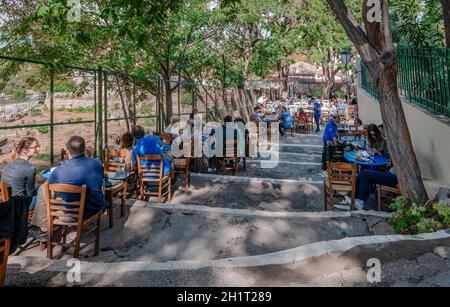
(423, 78)
(110, 102)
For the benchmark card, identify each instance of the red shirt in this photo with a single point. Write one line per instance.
(302, 117)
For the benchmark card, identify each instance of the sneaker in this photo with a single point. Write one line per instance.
(359, 204)
(38, 234)
(347, 200)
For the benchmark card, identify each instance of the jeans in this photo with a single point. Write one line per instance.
(317, 120)
(367, 178)
(282, 132)
(33, 203)
(327, 154)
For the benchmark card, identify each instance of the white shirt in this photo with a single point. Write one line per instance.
(333, 110)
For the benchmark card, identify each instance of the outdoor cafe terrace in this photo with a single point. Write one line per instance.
(266, 203)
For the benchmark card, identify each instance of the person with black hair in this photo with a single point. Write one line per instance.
(149, 145)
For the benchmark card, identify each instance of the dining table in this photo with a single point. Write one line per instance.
(372, 162)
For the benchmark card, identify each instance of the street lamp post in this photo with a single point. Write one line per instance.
(346, 55)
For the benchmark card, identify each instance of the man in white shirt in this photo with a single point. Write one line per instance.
(333, 109)
(261, 99)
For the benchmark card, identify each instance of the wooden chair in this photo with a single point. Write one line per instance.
(230, 156)
(325, 116)
(4, 193)
(165, 137)
(291, 129)
(119, 190)
(302, 126)
(152, 174)
(69, 215)
(310, 122)
(182, 165)
(385, 192)
(341, 179)
(4, 253)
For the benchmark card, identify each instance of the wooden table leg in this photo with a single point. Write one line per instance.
(110, 209)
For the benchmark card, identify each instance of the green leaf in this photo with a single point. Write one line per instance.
(42, 11)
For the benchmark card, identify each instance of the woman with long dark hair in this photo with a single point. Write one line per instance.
(376, 141)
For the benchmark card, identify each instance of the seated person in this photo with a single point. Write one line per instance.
(78, 170)
(286, 121)
(20, 175)
(256, 115)
(302, 116)
(330, 139)
(149, 145)
(125, 150)
(174, 127)
(381, 128)
(376, 140)
(358, 124)
(333, 108)
(366, 180)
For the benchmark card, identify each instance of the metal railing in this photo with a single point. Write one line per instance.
(423, 77)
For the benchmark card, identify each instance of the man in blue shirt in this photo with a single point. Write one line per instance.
(149, 145)
(317, 114)
(79, 170)
(286, 121)
(330, 137)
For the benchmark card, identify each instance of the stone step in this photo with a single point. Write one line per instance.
(249, 193)
(341, 262)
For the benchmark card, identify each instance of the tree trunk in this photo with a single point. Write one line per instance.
(169, 104)
(328, 89)
(384, 69)
(446, 9)
(124, 106)
(396, 128)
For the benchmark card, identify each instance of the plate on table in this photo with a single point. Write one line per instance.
(117, 176)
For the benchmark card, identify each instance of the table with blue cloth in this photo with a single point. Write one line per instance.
(372, 164)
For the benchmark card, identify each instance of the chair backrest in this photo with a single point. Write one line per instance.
(110, 165)
(63, 155)
(4, 253)
(342, 174)
(165, 137)
(150, 169)
(230, 148)
(4, 194)
(58, 208)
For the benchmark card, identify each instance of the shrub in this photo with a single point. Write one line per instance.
(20, 94)
(43, 130)
(64, 88)
(186, 98)
(44, 157)
(414, 219)
(36, 112)
(81, 110)
(145, 109)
